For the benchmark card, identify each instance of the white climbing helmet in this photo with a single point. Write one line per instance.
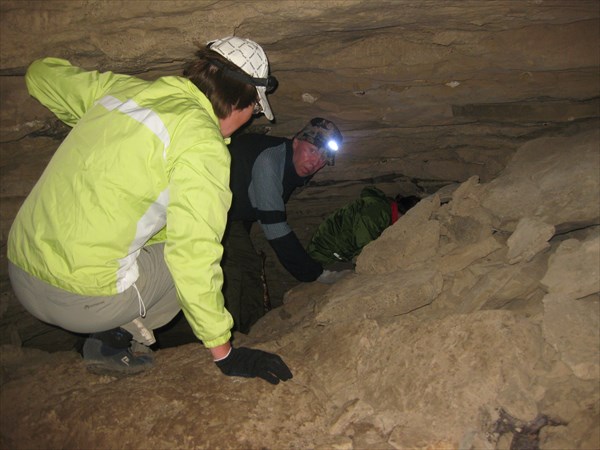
(251, 58)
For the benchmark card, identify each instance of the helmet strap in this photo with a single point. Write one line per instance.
(270, 83)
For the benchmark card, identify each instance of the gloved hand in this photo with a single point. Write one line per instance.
(250, 363)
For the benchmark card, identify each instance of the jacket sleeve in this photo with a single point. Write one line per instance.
(267, 197)
(295, 259)
(66, 90)
(199, 198)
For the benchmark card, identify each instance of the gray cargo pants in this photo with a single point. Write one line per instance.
(147, 305)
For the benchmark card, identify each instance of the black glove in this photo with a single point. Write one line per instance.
(250, 363)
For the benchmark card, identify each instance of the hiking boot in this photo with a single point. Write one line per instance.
(138, 349)
(109, 353)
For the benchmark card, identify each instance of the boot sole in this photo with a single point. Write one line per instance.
(101, 369)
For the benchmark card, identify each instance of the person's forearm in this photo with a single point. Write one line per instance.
(294, 258)
(220, 351)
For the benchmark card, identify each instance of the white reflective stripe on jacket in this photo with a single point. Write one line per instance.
(141, 155)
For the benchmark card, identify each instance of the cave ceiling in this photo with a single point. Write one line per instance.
(427, 89)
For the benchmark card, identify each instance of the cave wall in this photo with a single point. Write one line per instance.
(426, 93)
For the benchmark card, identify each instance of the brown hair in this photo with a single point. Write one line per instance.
(224, 93)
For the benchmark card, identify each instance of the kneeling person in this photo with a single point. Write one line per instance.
(265, 171)
(123, 228)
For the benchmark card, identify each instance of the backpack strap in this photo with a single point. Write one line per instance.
(395, 213)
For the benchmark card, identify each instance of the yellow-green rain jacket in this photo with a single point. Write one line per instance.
(144, 160)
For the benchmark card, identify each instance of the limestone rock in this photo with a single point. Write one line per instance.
(555, 180)
(496, 288)
(464, 256)
(574, 270)
(572, 327)
(388, 295)
(411, 240)
(529, 238)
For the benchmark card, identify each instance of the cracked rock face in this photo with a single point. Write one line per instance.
(482, 301)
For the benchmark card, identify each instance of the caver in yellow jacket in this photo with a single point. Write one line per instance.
(142, 158)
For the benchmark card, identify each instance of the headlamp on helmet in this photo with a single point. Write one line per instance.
(329, 152)
(333, 145)
(324, 135)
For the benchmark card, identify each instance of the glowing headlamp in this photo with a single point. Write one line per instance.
(329, 150)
